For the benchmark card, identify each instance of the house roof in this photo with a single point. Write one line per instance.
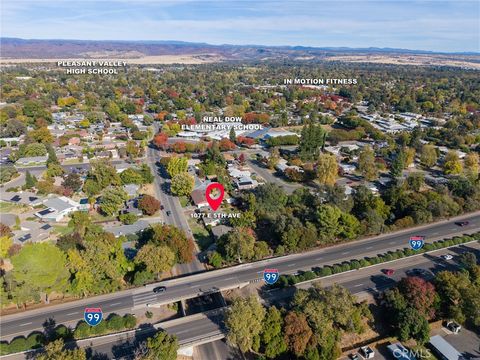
(60, 203)
(220, 230)
(128, 229)
(198, 196)
(445, 348)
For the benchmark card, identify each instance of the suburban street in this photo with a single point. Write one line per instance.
(211, 281)
(364, 283)
(172, 204)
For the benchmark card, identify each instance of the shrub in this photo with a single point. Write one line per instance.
(17, 345)
(309, 275)
(82, 330)
(355, 264)
(326, 271)
(346, 266)
(364, 262)
(115, 322)
(129, 321)
(149, 314)
(336, 269)
(128, 218)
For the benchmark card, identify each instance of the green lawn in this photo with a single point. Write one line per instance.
(183, 201)
(201, 235)
(62, 230)
(6, 207)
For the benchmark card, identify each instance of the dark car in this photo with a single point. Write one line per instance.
(159, 289)
(462, 223)
(169, 213)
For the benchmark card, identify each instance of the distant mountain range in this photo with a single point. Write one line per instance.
(14, 48)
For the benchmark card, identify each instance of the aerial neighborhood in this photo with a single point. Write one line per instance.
(104, 188)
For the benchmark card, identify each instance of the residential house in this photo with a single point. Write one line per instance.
(32, 160)
(58, 208)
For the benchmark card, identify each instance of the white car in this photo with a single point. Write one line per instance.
(447, 257)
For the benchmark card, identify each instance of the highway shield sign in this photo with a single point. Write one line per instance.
(417, 242)
(93, 316)
(270, 276)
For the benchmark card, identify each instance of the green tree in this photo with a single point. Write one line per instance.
(232, 136)
(366, 164)
(472, 165)
(5, 244)
(240, 244)
(131, 176)
(272, 333)
(80, 220)
(52, 156)
(177, 165)
(182, 184)
(452, 164)
(398, 164)
(34, 149)
(428, 155)
(327, 169)
(312, 139)
(162, 346)
(101, 175)
(54, 170)
(156, 258)
(112, 200)
(244, 322)
(55, 351)
(73, 182)
(41, 267)
(30, 180)
(328, 219)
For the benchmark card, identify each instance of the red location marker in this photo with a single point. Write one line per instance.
(214, 202)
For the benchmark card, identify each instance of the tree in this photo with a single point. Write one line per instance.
(41, 267)
(131, 176)
(34, 149)
(327, 169)
(7, 173)
(101, 175)
(148, 204)
(272, 336)
(312, 139)
(409, 156)
(472, 165)
(41, 135)
(128, 218)
(175, 239)
(182, 184)
(112, 199)
(428, 155)
(133, 150)
(5, 230)
(232, 136)
(398, 164)
(52, 156)
(54, 170)
(177, 165)
(162, 346)
(30, 180)
(244, 322)
(452, 164)
(366, 164)
(5, 243)
(156, 258)
(273, 159)
(297, 332)
(240, 243)
(72, 181)
(55, 351)
(160, 140)
(328, 219)
(420, 294)
(80, 220)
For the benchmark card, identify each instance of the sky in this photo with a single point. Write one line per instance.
(436, 25)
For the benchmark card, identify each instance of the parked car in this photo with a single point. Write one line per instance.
(447, 257)
(454, 327)
(367, 352)
(169, 213)
(388, 272)
(462, 223)
(159, 289)
(354, 356)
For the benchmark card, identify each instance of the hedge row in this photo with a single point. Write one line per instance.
(35, 340)
(289, 280)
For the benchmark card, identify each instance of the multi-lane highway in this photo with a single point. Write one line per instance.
(192, 285)
(208, 327)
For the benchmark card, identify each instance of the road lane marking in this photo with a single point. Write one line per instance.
(25, 324)
(345, 252)
(320, 258)
(369, 247)
(73, 313)
(358, 285)
(115, 304)
(290, 265)
(181, 332)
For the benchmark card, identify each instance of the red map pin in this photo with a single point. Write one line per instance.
(214, 202)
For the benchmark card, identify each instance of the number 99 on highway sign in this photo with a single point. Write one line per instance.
(417, 242)
(93, 316)
(270, 276)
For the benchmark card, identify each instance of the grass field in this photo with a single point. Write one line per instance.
(201, 235)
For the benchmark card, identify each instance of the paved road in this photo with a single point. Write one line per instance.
(192, 285)
(172, 204)
(360, 282)
(68, 167)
